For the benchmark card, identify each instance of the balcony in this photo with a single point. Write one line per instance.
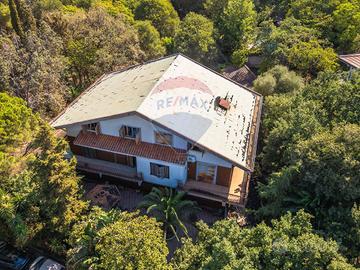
(108, 168)
(235, 194)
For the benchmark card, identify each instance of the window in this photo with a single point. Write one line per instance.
(92, 127)
(163, 138)
(158, 170)
(129, 132)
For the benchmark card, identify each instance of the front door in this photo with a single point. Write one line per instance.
(206, 172)
(192, 170)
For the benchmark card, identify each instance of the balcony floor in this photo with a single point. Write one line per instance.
(235, 194)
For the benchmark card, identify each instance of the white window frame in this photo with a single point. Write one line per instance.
(92, 127)
(159, 170)
(163, 134)
(127, 128)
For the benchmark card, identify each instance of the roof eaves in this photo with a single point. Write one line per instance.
(97, 119)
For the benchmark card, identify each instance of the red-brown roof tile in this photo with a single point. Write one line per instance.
(130, 147)
(351, 59)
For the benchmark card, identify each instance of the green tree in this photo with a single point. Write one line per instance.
(310, 155)
(310, 57)
(278, 80)
(98, 43)
(337, 94)
(323, 178)
(114, 240)
(294, 45)
(289, 243)
(236, 23)
(195, 38)
(346, 25)
(39, 188)
(184, 7)
(15, 20)
(26, 16)
(5, 22)
(162, 15)
(84, 238)
(150, 41)
(313, 14)
(32, 68)
(169, 208)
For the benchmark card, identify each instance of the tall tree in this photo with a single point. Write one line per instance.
(195, 38)
(39, 188)
(99, 43)
(311, 155)
(15, 20)
(150, 41)
(278, 80)
(236, 23)
(162, 15)
(33, 69)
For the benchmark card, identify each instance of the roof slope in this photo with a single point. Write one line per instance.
(241, 75)
(114, 93)
(351, 59)
(178, 94)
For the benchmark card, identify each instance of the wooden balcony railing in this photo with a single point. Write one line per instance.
(108, 168)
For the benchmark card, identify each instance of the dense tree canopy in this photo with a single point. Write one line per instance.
(150, 41)
(296, 46)
(114, 240)
(99, 43)
(311, 154)
(33, 69)
(289, 243)
(39, 189)
(235, 21)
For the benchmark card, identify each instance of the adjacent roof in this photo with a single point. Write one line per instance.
(351, 59)
(130, 147)
(180, 95)
(241, 75)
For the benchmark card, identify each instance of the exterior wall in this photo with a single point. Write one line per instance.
(210, 158)
(73, 130)
(177, 172)
(112, 126)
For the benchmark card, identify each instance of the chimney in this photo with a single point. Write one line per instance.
(224, 104)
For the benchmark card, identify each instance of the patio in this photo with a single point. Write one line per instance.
(128, 199)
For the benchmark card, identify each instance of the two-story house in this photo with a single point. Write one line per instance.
(170, 122)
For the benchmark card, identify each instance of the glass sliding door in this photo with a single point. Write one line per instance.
(206, 172)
